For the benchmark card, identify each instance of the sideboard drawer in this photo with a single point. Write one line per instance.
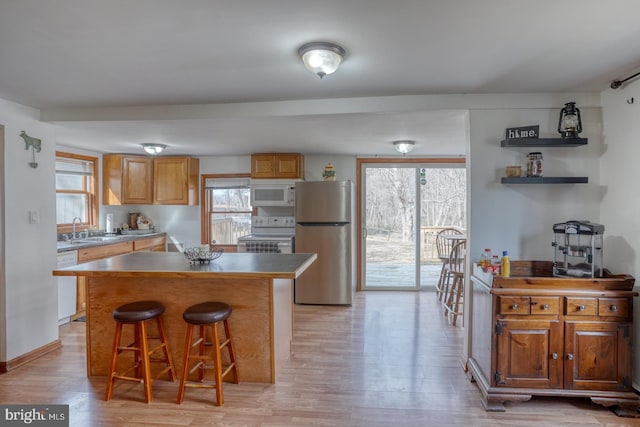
(545, 305)
(581, 306)
(515, 305)
(618, 307)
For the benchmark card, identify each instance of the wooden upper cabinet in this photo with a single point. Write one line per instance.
(141, 180)
(277, 165)
(175, 180)
(127, 180)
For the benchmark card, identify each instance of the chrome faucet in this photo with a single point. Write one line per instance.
(73, 227)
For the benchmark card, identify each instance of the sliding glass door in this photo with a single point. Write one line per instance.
(404, 205)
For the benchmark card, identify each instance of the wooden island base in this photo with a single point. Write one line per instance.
(261, 322)
(258, 287)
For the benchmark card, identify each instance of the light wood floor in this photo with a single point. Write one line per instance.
(389, 360)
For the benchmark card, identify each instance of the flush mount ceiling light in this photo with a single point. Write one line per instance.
(321, 58)
(403, 146)
(154, 148)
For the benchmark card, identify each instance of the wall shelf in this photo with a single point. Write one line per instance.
(545, 180)
(543, 142)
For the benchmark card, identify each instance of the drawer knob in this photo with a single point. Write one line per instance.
(582, 307)
(570, 356)
(614, 308)
(514, 307)
(545, 306)
(554, 356)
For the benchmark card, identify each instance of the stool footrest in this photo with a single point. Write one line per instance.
(125, 378)
(199, 385)
(199, 365)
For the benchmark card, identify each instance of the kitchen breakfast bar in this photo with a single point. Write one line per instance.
(258, 286)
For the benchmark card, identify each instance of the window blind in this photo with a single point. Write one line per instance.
(226, 183)
(67, 166)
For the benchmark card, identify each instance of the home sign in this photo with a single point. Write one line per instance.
(523, 132)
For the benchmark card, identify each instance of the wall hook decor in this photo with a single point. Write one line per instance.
(35, 144)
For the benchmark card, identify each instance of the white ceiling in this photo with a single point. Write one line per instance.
(67, 56)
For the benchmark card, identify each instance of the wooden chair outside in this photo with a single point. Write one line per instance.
(444, 246)
(454, 301)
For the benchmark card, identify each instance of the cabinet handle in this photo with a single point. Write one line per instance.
(545, 306)
(582, 308)
(514, 307)
(614, 308)
(570, 356)
(554, 356)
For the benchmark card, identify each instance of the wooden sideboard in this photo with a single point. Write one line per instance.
(539, 335)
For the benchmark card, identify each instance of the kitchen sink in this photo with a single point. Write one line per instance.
(99, 239)
(94, 239)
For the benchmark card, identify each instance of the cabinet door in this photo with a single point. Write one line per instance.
(529, 354)
(170, 184)
(597, 356)
(278, 165)
(104, 251)
(137, 175)
(263, 166)
(288, 166)
(154, 244)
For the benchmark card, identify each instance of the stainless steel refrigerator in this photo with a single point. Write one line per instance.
(323, 226)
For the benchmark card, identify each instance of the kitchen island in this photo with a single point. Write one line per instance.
(258, 286)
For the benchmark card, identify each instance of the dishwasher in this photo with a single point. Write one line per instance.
(66, 288)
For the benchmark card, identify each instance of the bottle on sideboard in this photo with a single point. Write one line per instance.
(485, 260)
(506, 264)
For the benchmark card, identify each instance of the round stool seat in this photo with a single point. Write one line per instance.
(138, 311)
(206, 313)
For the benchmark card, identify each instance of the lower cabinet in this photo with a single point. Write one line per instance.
(575, 356)
(152, 244)
(597, 356)
(556, 337)
(527, 353)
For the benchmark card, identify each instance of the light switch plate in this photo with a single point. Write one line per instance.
(34, 217)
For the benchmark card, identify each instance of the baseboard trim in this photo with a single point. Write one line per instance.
(30, 356)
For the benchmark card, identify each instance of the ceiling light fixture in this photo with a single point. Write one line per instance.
(321, 58)
(154, 148)
(403, 146)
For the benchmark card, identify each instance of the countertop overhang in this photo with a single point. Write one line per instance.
(174, 264)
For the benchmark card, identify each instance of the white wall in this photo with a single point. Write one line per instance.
(519, 218)
(620, 208)
(29, 311)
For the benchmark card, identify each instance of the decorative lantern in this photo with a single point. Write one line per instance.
(569, 123)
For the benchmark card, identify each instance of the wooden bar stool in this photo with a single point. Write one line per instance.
(136, 314)
(203, 315)
(454, 301)
(444, 246)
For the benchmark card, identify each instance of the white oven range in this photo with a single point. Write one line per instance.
(269, 234)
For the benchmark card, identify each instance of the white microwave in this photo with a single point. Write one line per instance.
(273, 194)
